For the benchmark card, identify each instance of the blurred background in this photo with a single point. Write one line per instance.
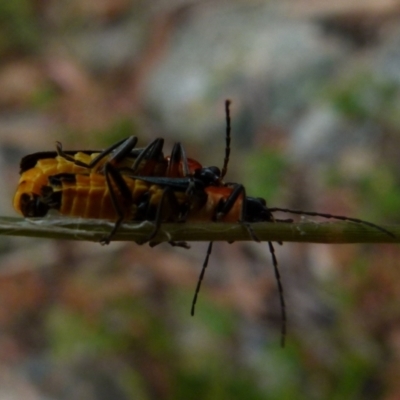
(315, 87)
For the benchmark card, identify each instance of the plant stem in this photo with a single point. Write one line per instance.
(94, 230)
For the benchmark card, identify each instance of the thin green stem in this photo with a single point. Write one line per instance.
(304, 231)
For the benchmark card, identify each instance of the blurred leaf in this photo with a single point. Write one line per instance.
(265, 171)
(120, 128)
(356, 372)
(382, 186)
(73, 334)
(44, 97)
(18, 27)
(365, 97)
(378, 191)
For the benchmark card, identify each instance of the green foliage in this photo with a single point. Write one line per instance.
(378, 191)
(382, 186)
(44, 97)
(264, 173)
(18, 27)
(120, 128)
(366, 97)
(219, 382)
(220, 321)
(355, 370)
(72, 335)
(127, 326)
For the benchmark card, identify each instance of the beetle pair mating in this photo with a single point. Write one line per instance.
(124, 183)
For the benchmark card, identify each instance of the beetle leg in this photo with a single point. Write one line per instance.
(178, 156)
(226, 207)
(126, 146)
(201, 277)
(151, 152)
(112, 175)
(167, 198)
